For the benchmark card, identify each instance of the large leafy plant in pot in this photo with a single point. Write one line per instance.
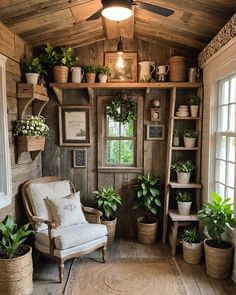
(217, 217)
(147, 198)
(107, 200)
(16, 267)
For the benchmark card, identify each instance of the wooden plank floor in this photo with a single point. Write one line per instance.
(196, 280)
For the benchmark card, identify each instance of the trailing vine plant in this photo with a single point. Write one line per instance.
(122, 109)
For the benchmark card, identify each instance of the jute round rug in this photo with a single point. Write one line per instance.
(126, 277)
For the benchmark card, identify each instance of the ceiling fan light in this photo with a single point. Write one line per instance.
(117, 10)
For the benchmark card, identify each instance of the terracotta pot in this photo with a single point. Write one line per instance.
(103, 78)
(183, 177)
(192, 253)
(189, 142)
(60, 74)
(184, 208)
(90, 77)
(147, 232)
(32, 78)
(194, 110)
(111, 228)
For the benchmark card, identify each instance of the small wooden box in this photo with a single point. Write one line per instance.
(32, 91)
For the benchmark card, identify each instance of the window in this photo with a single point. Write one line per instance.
(226, 138)
(5, 167)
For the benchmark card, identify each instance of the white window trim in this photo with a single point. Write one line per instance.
(6, 198)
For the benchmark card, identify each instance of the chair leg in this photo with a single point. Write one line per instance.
(61, 270)
(104, 251)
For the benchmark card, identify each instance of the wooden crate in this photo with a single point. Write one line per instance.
(32, 91)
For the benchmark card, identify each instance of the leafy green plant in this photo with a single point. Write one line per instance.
(183, 166)
(148, 196)
(104, 70)
(33, 65)
(66, 57)
(32, 126)
(194, 100)
(183, 196)
(191, 235)
(12, 237)
(217, 216)
(107, 200)
(91, 69)
(50, 56)
(191, 133)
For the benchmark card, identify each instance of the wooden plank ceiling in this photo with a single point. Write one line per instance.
(63, 22)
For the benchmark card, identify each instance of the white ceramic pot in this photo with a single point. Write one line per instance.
(194, 111)
(184, 208)
(189, 142)
(32, 78)
(183, 177)
(102, 78)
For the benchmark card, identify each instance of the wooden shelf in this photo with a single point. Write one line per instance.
(185, 118)
(173, 213)
(181, 185)
(182, 148)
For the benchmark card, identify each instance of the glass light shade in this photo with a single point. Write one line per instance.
(117, 13)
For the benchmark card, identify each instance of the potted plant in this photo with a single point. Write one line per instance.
(183, 170)
(217, 217)
(103, 73)
(148, 198)
(90, 72)
(16, 267)
(190, 136)
(107, 200)
(184, 201)
(32, 68)
(194, 101)
(192, 245)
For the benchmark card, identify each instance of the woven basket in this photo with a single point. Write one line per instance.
(30, 143)
(60, 74)
(111, 228)
(192, 253)
(16, 275)
(218, 261)
(147, 232)
(177, 69)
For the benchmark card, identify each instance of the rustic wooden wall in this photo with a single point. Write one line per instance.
(15, 49)
(58, 160)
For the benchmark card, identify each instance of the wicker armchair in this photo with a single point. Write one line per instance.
(63, 243)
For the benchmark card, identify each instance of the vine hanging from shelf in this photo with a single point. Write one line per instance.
(122, 109)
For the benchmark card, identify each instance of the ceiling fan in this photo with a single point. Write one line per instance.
(118, 10)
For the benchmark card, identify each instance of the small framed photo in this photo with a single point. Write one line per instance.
(155, 132)
(80, 158)
(155, 114)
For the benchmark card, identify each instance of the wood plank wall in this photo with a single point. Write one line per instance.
(14, 48)
(58, 160)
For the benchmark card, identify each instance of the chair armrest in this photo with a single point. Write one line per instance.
(93, 215)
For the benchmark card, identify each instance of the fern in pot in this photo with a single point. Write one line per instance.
(147, 198)
(107, 201)
(190, 137)
(184, 201)
(192, 245)
(183, 170)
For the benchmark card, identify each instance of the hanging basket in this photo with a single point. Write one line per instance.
(30, 143)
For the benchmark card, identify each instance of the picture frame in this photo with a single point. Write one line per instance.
(155, 114)
(74, 125)
(155, 132)
(79, 158)
(123, 67)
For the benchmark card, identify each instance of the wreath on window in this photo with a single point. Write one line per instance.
(122, 109)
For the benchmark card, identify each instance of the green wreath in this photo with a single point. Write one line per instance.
(122, 109)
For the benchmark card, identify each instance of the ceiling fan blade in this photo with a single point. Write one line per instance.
(154, 8)
(96, 15)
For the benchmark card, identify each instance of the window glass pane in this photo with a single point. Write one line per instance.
(1, 174)
(223, 121)
(112, 127)
(230, 194)
(127, 129)
(127, 152)
(220, 189)
(230, 174)
(220, 171)
(231, 149)
(233, 90)
(221, 147)
(224, 92)
(232, 120)
(112, 152)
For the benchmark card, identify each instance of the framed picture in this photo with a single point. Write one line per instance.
(79, 158)
(123, 67)
(74, 129)
(155, 114)
(155, 132)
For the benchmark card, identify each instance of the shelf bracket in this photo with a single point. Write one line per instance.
(59, 94)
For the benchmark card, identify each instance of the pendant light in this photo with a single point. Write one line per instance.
(120, 59)
(117, 10)
(120, 48)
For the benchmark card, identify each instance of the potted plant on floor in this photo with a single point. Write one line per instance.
(192, 245)
(194, 101)
(103, 73)
(107, 200)
(32, 68)
(184, 201)
(90, 72)
(148, 198)
(16, 267)
(217, 217)
(183, 170)
(190, 137)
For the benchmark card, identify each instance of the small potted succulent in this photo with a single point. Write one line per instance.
(32, 68)
(103, 73)
(192, 245)
(194, 101)
(183, 170)
(184, 201)
(148, 198)
(107, 200)
(90, 72)
(190, 137)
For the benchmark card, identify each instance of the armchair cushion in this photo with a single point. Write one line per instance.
(66, 211)
(72, 236)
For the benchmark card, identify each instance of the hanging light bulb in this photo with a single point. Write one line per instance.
(117, 10)
(120, 49)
